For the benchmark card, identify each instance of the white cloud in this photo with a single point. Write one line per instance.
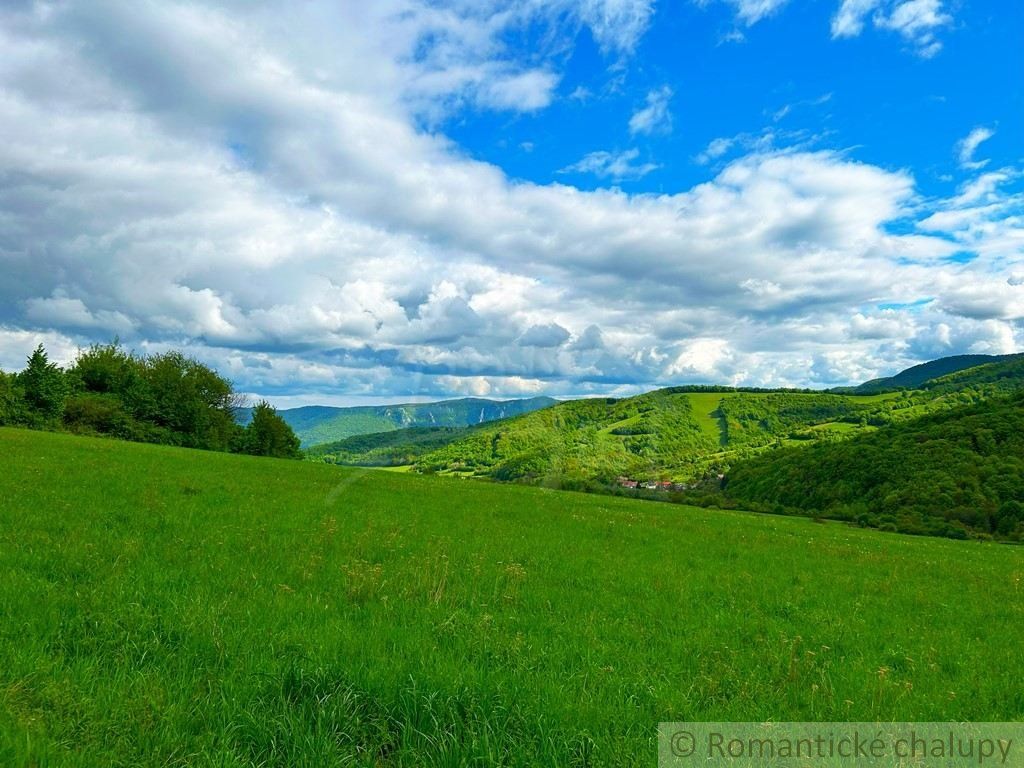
(749, 12)
(917, 21)
(967, 146)
(180, 175)
(617, 25)
(654, 117)
(16, 344)
(715, 149)
(882, 324)
(521, 92)
(849, 19)
(617, 166)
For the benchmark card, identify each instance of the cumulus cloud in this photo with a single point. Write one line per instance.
(178, 175)
(654, 117)
(551, 335)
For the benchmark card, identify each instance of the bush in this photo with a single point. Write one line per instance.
(12, 400)
(102, 414)
(107, 369)
(190, 400)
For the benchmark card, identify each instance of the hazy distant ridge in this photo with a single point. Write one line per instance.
(323, 424)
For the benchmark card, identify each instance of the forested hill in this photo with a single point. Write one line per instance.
(583, 439)
(316, 424)
(953, 472)
(681, 435)
(672, 434)
(1000, 377)
(918, 375)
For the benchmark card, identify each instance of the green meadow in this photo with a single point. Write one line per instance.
(162, 606)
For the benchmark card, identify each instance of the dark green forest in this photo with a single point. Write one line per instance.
(165, 398)
(388, 449)
(951, 473)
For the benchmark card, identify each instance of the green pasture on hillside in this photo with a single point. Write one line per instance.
(169, 607)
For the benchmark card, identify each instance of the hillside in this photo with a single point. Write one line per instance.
(978, 382)
(953, 472)
(681, 435)
(399, 447)
(316, 424)
(914, 377)
(674, 434)
(164, 606)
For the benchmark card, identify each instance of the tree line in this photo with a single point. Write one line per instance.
(165, 398)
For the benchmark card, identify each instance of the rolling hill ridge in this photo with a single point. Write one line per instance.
(914, 377)
(691, 438)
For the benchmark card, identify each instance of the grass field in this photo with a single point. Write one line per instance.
(705, 407)
(170, 607)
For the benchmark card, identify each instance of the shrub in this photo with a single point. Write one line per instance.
(103, 414)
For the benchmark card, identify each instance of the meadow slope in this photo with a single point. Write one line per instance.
(172, 607)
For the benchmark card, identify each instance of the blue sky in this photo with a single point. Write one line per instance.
(874, 93)
(347, 202)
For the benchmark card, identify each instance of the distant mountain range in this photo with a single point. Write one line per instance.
(316, 424)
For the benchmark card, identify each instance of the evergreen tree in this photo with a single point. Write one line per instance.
(45, 386)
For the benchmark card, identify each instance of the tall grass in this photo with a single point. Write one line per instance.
(168, 607)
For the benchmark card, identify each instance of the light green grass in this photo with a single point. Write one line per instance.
(881, 397)
(631, 421)
(169, 607)
(838, 426)
(704, 405)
